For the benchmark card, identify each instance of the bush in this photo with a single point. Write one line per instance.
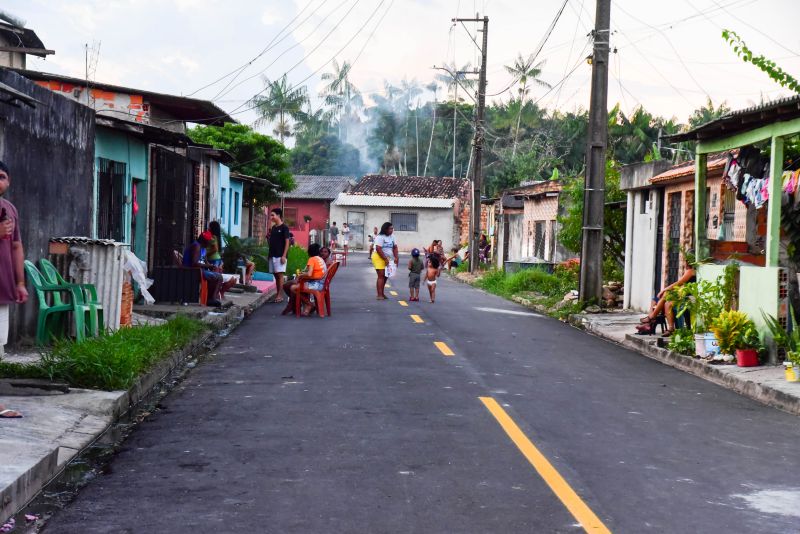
(115, 360)
(295, 259)
(554, 285)
(682, 341)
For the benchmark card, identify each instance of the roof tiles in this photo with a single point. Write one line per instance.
(314, 187)
(411, 186)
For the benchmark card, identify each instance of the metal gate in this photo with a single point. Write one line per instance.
(111, 196)
(172, 220)
(355, 220)
(516, 237)
(674, 251)
(659, 242)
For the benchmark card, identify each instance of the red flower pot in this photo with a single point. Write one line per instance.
(746, 357)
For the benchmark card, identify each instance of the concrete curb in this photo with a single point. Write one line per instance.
(758, 392)
(20, 492)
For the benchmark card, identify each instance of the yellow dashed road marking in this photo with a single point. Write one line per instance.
(417, 319)
(443, 348)
(588, 520)
(402, 303)
(393, 293)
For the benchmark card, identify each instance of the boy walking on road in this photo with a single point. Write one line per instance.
(334, 233)
(414, 274)
(278, 249)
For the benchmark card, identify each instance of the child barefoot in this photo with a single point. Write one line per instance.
(414, 272)
(431, 274)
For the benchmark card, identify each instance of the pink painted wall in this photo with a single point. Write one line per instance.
(318, 210)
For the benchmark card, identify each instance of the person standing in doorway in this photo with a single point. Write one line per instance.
(385, 253)
(334, 233)
(278, 249)
(12, 272)
(345, 237)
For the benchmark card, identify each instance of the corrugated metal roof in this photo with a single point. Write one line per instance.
(80, 240)
(345, 199)
(315, 187)
(782, 109)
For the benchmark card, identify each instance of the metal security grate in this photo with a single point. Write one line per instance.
(404, 222)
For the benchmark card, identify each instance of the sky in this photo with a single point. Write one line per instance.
(669, 58)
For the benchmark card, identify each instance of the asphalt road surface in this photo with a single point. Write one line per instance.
(363, 422)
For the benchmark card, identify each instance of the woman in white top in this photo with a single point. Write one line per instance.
(385, 253)
(345, 237)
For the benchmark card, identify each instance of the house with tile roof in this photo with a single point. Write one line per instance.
(306, 209)
(421, 208)
(660, 223)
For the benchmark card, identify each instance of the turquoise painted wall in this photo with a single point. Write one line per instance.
(230, 200)
(117, 146)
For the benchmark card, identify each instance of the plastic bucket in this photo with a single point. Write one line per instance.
(746, 357)
(706, 345)
(790, 374)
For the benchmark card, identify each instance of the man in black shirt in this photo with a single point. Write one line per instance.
(278, 249)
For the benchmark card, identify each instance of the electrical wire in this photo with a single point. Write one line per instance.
(369, 38)
(756, 29)
(569, 55)
(264, 51)
(298, 43)
(669, 42)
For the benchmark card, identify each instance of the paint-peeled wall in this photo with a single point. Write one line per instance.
(50, 152)
(230, 201)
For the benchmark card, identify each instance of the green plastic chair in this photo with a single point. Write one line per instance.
(89, 292)
(54, 315)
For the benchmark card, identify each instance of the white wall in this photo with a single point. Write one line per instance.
(432, 223)
(641, 242)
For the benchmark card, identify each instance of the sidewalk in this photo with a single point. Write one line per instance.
(56, 427)
(765, 384)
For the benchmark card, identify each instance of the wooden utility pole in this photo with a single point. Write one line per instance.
(477, 148)
(591, 280)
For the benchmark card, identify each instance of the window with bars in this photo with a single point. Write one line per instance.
(404, 222)
(111, 184)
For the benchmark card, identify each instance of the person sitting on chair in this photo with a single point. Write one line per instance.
(660, 305)
(191, 258)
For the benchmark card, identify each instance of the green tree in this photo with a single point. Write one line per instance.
(525, 71)
(708, 113)
(282, 101)
(571, 220)
(767, 66)
(255, 154)
(341, 96)
(325, 155)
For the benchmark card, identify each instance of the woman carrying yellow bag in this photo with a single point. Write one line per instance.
(385, 252)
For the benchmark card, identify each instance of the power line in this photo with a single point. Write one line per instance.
(669, 42)
(538, 48)
(369, 38)
(754, 28)
(571, 46)
(264, 51)
(308, 54)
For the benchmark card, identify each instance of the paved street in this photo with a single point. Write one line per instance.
(361, 423)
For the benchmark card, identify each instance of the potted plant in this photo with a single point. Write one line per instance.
(703, 301)
(737, 334)
(789, 341)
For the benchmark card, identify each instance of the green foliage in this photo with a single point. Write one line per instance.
(530, 280)
(325, 155)
(240, 247)
(571, 218)
(734, 330)
(255, 154)
(114, 361)
(704, 300)
(767, 66)
(278, 103)
(297, 258)
(790, 342)
(682, 342)
(21, 370)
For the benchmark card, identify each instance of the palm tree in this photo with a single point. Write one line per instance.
(433, 87)
(340, 93)
(282, 102)
(409, 90)
(454, 79)
(525, 71)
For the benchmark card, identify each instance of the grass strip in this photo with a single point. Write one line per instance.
(112, 361)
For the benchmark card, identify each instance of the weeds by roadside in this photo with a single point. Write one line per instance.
(536, 285)
(111, 361)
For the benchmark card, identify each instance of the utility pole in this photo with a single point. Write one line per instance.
(477, 148)
(591, 279)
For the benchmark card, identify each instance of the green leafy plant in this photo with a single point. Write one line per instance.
(703, 300)
(734, 330)
(682, 341)
(789, 341)
(239, 247)
(767, 66)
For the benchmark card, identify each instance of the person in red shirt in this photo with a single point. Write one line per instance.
(12, 272)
